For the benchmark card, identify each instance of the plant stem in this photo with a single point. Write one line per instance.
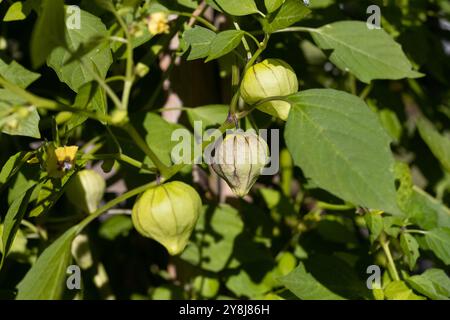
(113, 203)
(140, 142)
(366, 91)
(257, 42)
(391, 264)
(43, 103)
(235, 99)
(120, 157)
(415, 231)
(258, 52)
(335, 207)
(172, 109)
(115, 78)
(244, 42)
(205, 22)
(129, 72)
(295, 29)
(111, 94)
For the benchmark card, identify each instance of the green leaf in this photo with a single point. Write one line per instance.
(272, 5)
(192, 4)
(410, 249)
(336, 229)
(12, 221)
(199, 39)
(48, 32)
(238, 7)
(48, 192)
(90, 97)
(115, 226)
(438, 144)
(159, 137)
(18, 118)
(433, 283)
(337, 131)
(368, 54)
(290, 12)
(25, 177)
(224, 43)
(214, 237)
(319, 4)
(438, 240)
(97, 59)
(306, 287)
(398, 290)
(324, 277)
(419, 206)
(12, 166)
(374, 223)
(210, 115)
(206, 287)
(45, 279)
(242, 283)
(17, 74)
(391, 123)
(17, 11)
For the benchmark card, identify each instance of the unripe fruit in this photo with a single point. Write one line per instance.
(86, 189)
(270, 78)
(168, 213)
(239, 160)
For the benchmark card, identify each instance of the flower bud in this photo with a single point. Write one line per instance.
(239, 160)
(158, 23)
(86, 189)
(168, 213)
(270, 78)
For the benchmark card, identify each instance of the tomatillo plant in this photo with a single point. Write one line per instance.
(224, 149)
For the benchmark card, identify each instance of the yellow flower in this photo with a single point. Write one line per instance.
(158, 23)
(60, 160)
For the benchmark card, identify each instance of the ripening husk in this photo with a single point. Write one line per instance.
(168, 213)
(270, 78)
(239, 160)
(86, 190)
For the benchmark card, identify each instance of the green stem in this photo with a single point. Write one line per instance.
(258, 44)
(140, 142)
(205, 22)
(120, 157)
(363, 95)
(335, 207)
(391, 264)
(352, 83)
(296, 29)
(30, 226)
(173, 109)
(111, 94)
(235, 99)
(416, 231)
(258, 52)
(115, 78)
(113, 203)
(43, 103)
(244, 42)
(129, 76)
